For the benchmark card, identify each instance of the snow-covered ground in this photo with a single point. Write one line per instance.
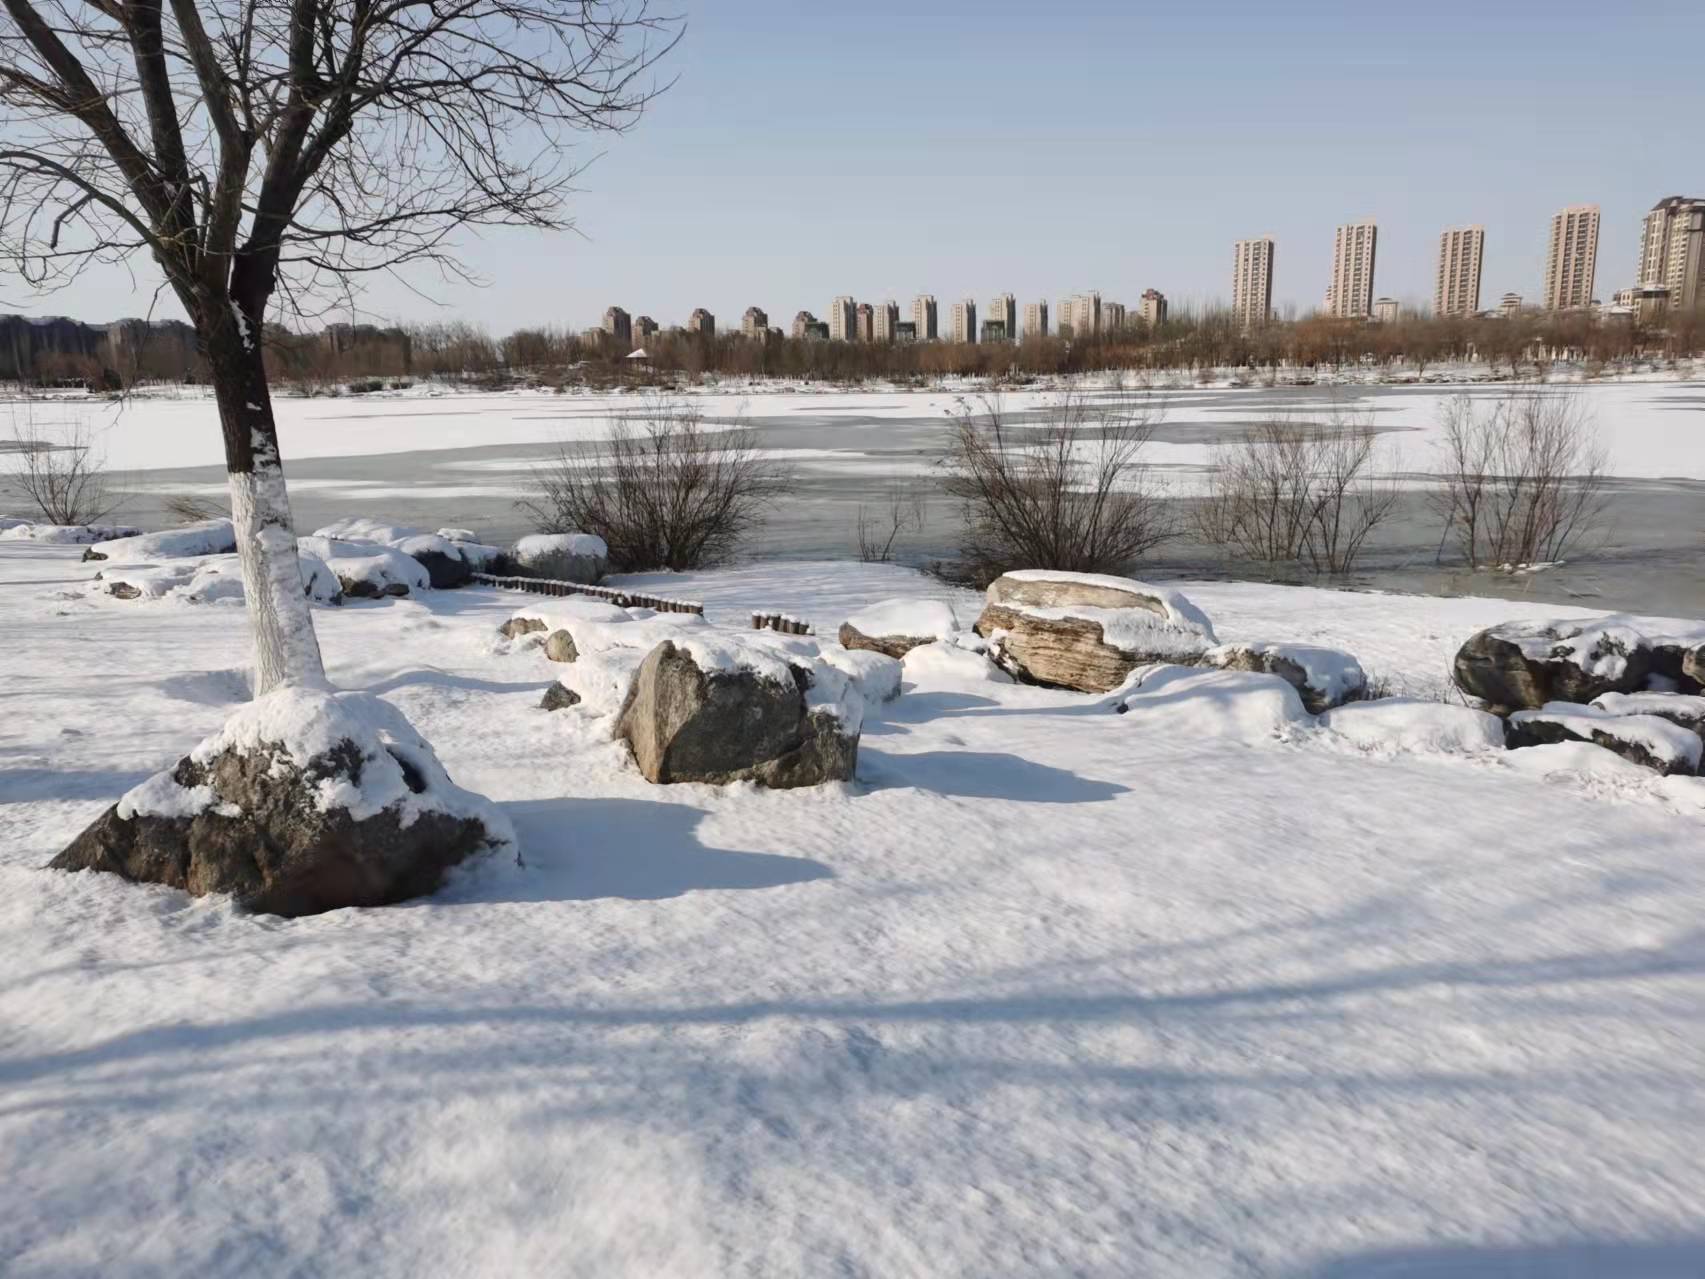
(1048, 990)
(1649, 425)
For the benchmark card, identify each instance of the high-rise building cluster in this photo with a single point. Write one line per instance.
(1670, 274)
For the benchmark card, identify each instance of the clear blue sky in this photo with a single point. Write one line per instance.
(885, 147)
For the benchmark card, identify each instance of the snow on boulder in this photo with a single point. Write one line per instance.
(1687, 711)
(208, 579)
(716, 709)
(205, 537)
(367, 570)
(1645, 740)
(307, 800)
(875, 675)
(459, 535)
(896, 626)
(448, 562)
(562, 557)
(1528, 664)
(1325, 677)
(1192, 702)
(359, 528)
(65, 534)
(1405, 725)
(1088, 631)
(955, 662)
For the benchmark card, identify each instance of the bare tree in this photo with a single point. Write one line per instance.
(275, 152)
(879, 527)
(61, 473)
(1298, 492)
(662, 491)
(1069, 493)
(1525, 478)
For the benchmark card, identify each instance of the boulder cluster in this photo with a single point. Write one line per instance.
(1621, 683)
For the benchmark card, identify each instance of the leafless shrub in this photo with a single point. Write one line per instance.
(1069, 494)
(59, 470)
(879, 527)
(1524, 480)
(187, 508)
(662, 491)
(1297, 492)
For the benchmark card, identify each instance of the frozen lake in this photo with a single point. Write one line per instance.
(464, 459)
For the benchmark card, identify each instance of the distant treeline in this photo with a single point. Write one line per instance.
(63, 351)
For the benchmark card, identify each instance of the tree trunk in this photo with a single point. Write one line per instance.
(286, 648)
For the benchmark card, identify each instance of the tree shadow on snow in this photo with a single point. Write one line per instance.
(981, 775)
(443, 679)
(1586, 1260)
(643, 850)
(26, 785)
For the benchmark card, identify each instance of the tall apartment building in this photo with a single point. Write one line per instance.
(701, 322)
(1252, 281)
(1035, 319)
(645, 327)
(1350, 294)
(1386, 310)
(887, 321)
(923, 317)
(1510, 304)
(1080, 315)
(1003, 310)
(619, 326)
(1154, 308)
(1672, 250)
(1572, 257)
(805, 325)
(755, 323)
(865, 316)
(965, 320)
(843, 319)
(1113, 317)
(1456, 287)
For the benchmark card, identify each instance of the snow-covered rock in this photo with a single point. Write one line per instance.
(307, 800)
(896, 626)
(209, 579)
(960, 660)
(1683, 709)
(1407, 726)
(64, 534)
(562, 557)
(711, 710)
(367, 570)
(1325, 677)
(875, 675)
(1646, 740)
(205, 537)
(1088, 631)
(449, 561)
(1535, 662)
(1193, 703)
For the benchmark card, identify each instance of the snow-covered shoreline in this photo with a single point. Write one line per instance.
(1042, 991)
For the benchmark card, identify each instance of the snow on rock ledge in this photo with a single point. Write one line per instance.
(207, 537)
(209, 579)
(1646, 740)
(367, 570)
(16, 530)
(1325, 677)
(1195, 703)
(1088, 631)
(1404, 725)
(307, 800)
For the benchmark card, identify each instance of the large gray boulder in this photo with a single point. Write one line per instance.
(1517, 665)
(724, 724)
(306, 801)
(1088, 631)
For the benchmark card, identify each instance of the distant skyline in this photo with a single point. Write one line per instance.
(888, 149)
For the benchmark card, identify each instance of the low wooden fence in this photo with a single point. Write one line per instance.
(612, 595)
(780, 622)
